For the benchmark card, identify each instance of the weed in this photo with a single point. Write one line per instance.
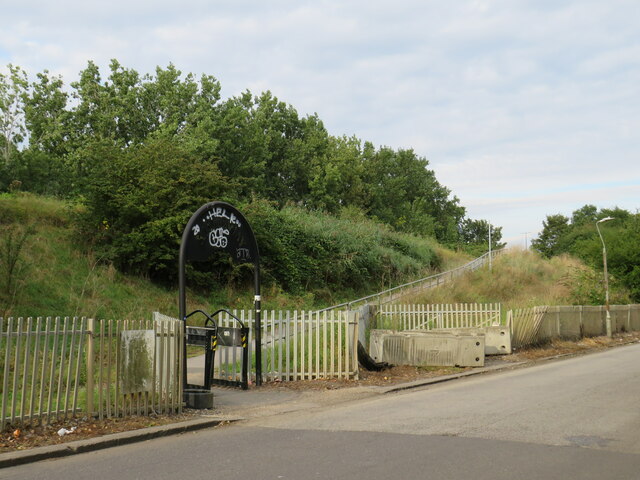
(13, 267)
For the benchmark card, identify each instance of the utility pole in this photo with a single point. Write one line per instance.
(526, 243)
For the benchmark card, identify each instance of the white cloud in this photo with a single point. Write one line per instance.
(533, 102)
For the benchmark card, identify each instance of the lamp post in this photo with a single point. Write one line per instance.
(606, 276)
(490, 258)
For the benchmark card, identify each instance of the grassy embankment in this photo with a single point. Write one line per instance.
(54, 276)
(58, 274)
(521, 279)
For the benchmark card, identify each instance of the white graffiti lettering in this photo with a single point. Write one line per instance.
(220, 212)
(195, 229)
(218, 237)
(235, 220)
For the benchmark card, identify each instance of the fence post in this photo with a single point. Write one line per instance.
(355, 321)
(90, 357)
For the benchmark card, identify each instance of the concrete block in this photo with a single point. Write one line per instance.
(198, 398)
(593, 321)
(634, 318)
(619, 318)
(549, 326)
(376, 343)
(569, 322)
(497, 339)
(427, 348)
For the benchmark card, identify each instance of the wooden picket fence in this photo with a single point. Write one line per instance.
(439, 316)
(55, 368)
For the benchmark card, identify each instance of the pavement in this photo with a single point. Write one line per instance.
(233, 405)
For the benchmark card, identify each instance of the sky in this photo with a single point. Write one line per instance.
(523, 108)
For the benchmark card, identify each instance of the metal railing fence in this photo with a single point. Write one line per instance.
(58, 367)
(296, 345)
(403, 317)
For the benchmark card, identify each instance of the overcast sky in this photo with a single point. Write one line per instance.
(523, 108)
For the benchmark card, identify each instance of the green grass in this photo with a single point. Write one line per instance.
(521, 279)
(60, 275)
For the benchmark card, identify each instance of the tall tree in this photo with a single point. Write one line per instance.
(13, 89)
(46, 115)
(553, 228)
(476, 232)
(585, 215)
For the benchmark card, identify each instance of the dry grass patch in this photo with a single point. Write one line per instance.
(567, 347)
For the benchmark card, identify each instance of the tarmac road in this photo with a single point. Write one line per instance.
(574, 418)
(588, 401)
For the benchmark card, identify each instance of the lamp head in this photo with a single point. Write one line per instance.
(605, 219)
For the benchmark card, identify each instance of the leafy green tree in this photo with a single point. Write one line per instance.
(616, 213)
(474, 235)
(585, 215)
(13, 89)
(580, 238)
(242, 149)
(139, 200)
(405, 194)
(130, 145)
(46, 115)
(553, 229)
(337, 179)
(622, 239)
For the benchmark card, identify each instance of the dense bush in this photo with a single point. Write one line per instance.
(578, 236)
(305, 250)
(138, 201)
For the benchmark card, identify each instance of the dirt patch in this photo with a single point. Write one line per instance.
(72, 429)
(565, 347)
(390, 376)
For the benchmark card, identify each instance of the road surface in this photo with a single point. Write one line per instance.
(574, 418)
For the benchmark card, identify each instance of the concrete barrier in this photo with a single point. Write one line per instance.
(497, 339)
(549, 327)
(634, 319)
(427, 348)
(621, 318)
(593, 322)
(572, 322)
(569, 321)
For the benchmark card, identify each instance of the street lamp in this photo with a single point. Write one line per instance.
(606, 276)
(489, 247)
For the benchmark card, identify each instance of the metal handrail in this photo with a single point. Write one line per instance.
(472, 265)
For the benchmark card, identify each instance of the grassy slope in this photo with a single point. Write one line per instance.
(57, 278)
(521, 279)
(60, 278)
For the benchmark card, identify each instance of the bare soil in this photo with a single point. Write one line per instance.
(22, 438)
(35, 436)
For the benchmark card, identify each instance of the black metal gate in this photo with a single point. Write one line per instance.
(212, 337)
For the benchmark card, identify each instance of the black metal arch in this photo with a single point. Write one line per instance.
(218, 226)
